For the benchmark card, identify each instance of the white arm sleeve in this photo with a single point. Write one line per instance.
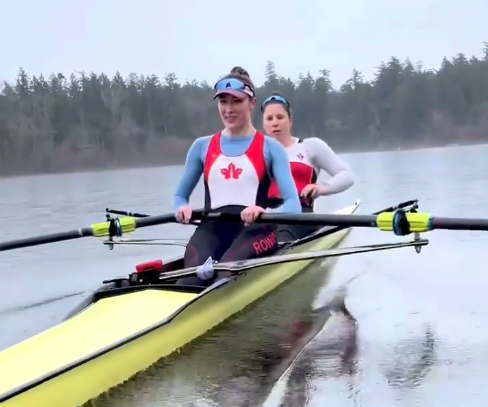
(324, 158)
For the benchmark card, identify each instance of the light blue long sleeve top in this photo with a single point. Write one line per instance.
(277, 163)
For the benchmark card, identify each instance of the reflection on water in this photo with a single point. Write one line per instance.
(397, 294)
(229, 362)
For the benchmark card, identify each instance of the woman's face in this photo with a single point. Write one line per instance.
(276, 121)
(235, 111)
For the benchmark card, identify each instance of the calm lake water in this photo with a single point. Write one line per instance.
(397, 293)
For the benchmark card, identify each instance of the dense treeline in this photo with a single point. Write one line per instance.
(93, 121)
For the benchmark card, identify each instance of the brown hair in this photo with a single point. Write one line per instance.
(240, 73)
(286, 105)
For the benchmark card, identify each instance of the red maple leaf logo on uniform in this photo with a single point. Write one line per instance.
(300, 156)
(231, 172)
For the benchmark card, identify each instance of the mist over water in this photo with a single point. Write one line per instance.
(397, 295)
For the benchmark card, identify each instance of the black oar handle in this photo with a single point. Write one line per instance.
(126, 213)
(200, 213)
(197, 215)
(401, 205)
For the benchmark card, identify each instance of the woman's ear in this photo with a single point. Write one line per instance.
(253, 103)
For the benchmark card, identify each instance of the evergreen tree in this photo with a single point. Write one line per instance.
(93, 121)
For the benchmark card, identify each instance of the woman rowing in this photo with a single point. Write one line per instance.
(236, 164)
(307, 158)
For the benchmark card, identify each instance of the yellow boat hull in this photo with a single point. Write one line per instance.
(120, 336)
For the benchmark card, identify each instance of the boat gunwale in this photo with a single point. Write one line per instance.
(147, 330)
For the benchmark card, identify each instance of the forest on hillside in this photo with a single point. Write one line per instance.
(92, 121)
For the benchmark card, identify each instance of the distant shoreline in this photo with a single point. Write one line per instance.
(152, 165)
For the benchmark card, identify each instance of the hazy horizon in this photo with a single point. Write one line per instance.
(202, 41)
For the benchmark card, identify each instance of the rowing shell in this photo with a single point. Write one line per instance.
(118, 332)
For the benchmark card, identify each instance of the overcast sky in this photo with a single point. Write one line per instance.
(202, 40)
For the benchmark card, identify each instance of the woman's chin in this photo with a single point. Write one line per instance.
(233, 125)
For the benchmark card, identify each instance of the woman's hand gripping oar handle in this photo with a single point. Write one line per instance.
(108, 211)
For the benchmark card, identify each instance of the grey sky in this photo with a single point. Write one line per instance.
(200, 39)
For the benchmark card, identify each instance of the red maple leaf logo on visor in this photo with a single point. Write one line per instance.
(231, 172)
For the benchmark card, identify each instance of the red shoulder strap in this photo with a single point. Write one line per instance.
(255, 153)
(213, 153)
